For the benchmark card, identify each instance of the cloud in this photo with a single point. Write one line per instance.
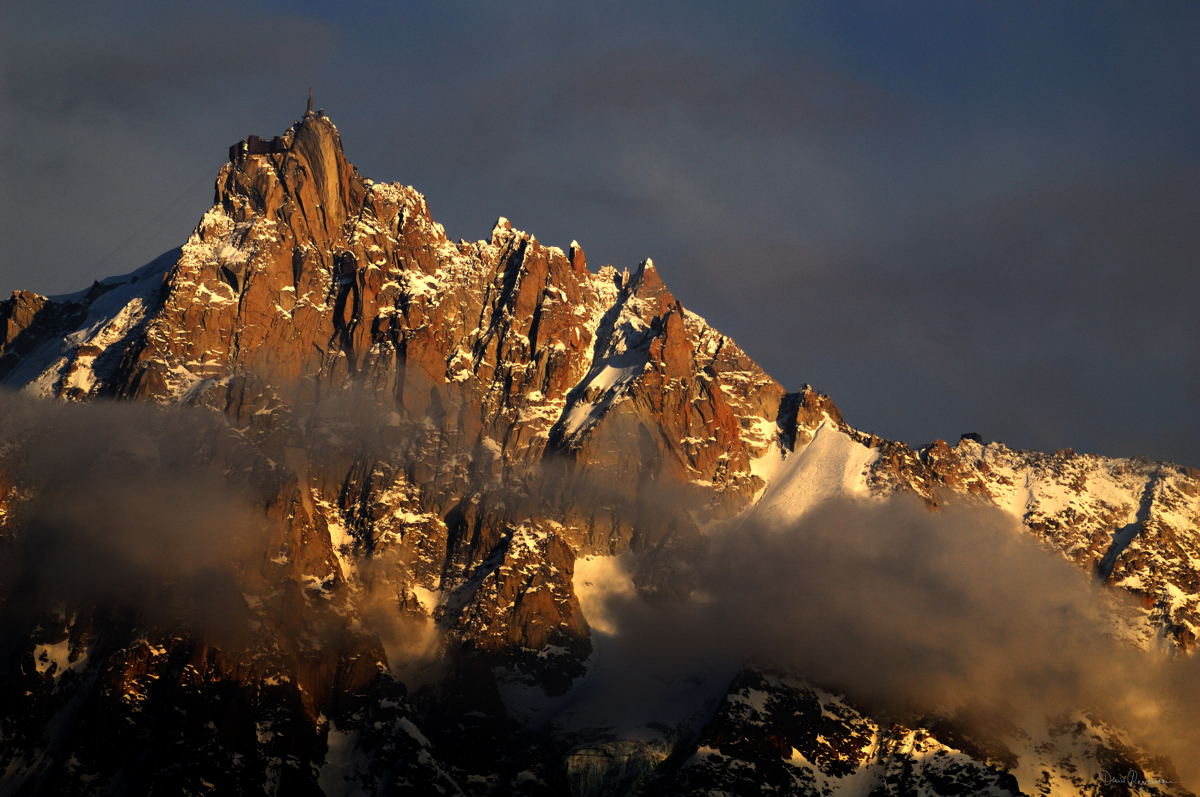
(907, 610)
(142, 68)
(128, 507)
(901, 608)
(719, 93)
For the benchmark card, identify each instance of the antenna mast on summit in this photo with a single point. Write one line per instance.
(310, 99)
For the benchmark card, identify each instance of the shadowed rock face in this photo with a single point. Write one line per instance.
(433, 433)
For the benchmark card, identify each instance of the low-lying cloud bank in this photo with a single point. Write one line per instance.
(905, 609)
(901, 608)
(128, 506)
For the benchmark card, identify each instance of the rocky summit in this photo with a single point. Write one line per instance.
(370, 494)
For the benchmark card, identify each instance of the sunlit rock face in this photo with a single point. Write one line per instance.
(431, 438)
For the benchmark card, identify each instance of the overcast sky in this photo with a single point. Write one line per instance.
(950, 216)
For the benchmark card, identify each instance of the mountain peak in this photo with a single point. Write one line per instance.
(304, 170)
(527, 418)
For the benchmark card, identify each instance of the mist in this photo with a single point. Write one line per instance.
(902, 609)
(128, 506)
(907, 611)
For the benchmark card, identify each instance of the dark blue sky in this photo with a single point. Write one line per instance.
(949, 216)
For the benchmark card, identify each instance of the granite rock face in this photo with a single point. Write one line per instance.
(431, 436)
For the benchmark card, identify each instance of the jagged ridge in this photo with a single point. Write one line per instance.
(534, 412)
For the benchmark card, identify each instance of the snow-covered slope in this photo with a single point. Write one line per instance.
(1129, 523)
(831, 464)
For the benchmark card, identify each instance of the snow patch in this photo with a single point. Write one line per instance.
(832, 464)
